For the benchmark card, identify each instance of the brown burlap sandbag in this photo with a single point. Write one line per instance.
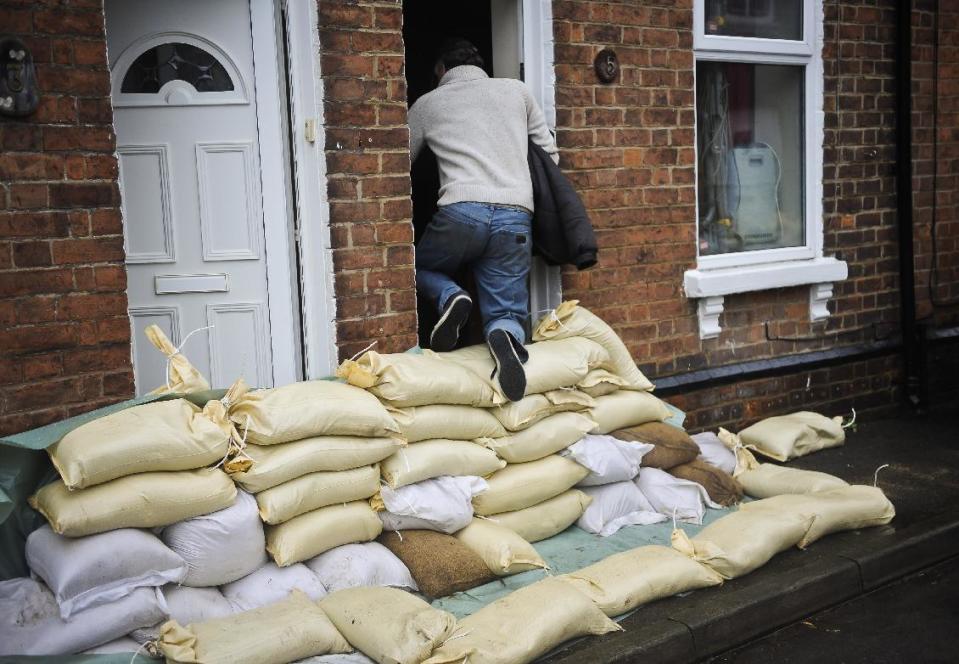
(673, 446)
(722, 487)
(440, 564)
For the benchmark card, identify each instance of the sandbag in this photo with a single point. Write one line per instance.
(614, 506)
(311, 534)
(443, 504)
(440, 564)
(30, 622)
(714, 452)
(625, 581)
(518, 415)
(389, 625)
(600, 382)
(187, 605)
(122, 645)
(275, 634)
(608, 459)
(546, 437)
(571, 320)
(273, 465)
(525, 624)
(522, 485)
(722, 488)
(182, 376)
(546, 519)
(310, 492)
(367, 564)
(432, 458)
(446, 421)
(786, 437)
(417, 379)
(309, 409)
(157, 436)
(502, 550)
(671, 445)
(845, 508)
(768, 479)
(626, 408)
(674, 497)
(272, 583)
(349, 658)
(220, 547)
(743, 541)
(145, 500)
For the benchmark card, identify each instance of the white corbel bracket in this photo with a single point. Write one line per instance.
(819, 296)
(710, 309)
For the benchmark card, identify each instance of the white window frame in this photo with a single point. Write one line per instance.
(738, 272)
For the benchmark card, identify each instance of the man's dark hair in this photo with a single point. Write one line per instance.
(456, 51)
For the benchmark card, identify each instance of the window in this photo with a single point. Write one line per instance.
(176, 62)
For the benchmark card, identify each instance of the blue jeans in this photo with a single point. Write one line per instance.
(496, 242)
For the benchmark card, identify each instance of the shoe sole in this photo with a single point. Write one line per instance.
(509, 369)
(446, 332)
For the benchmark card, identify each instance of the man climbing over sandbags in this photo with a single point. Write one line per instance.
(479, 129)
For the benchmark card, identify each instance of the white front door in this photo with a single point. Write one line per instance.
(185, 108)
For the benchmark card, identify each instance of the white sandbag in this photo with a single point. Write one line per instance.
(786, 437)
(432, 458)
(546, 519)
(615, 506)
(571, 320)
(608, 459)
(304, 494)
(743, 541)
(674, 497)
(220, 547)
(627, 580)
(389, 625)
(446, 421)
(502, 549)
(417, 379)
(30, 622)
(273, 465)
(845, 508)
(311, 534)
(187, 605)
(518, 415)
(548, 436)
(525, 624)
(626, 408)
(714, 452)
(122, 645)
(89, 571)
(367, 564)
(443, 504)
(522, 485)
(271, 584)
(275, 634)
(600, 382)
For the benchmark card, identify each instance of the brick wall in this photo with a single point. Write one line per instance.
(64, 334)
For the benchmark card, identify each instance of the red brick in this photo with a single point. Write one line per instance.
(92, 250)
(32, 254)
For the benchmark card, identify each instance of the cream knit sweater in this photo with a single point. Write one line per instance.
(477, 127)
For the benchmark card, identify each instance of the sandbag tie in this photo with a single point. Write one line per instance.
(851, 422)
(875, 477)
(177, 349)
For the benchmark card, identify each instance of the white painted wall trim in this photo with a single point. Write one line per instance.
(730, 280)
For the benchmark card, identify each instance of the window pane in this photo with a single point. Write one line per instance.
(173, 61)
(750, 137)
(767, 19)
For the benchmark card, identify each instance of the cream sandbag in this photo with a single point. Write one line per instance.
(786, 437)
(600, 382)
(313, 533)
(627, 580)
(845, 508)
(502, 549)
(571, 320)
(546, 519)
(518, 415)
(182, 376)
(740, 542)
(546, 437)
(310, 492)
(278, 633)
(275, 464)
(626, 408)
(446, 421)
(308, 409)
(162, 435)
(524, 625)
(388, 625)
(433, 458)
(523, 485)
(145, 500)
(417, 379)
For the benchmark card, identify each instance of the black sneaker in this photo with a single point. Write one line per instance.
(446, 332)
(509, 366)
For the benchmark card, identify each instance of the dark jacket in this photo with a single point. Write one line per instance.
(562, 232)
